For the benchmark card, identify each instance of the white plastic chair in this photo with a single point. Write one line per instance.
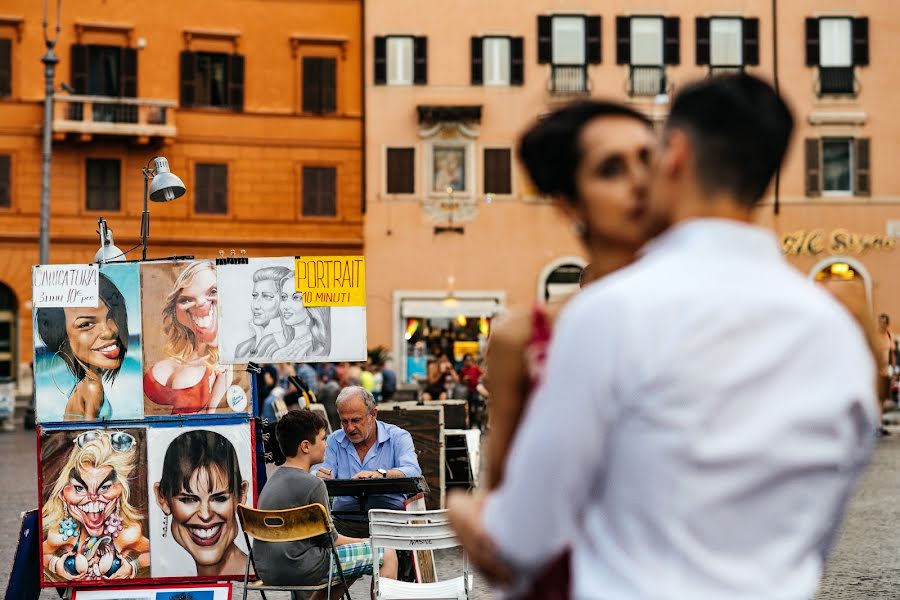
(415, 530)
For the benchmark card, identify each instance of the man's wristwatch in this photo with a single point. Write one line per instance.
(383, 472)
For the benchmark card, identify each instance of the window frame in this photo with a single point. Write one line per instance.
(10, 182)
(336, 78)
(386, 173)
(484, 60)
(740, 43)
(389, 66)
(851, 164)
(228, 187)
(84, 205)
(512, 186)
(301, 166)
(849, 21)
(12, 61)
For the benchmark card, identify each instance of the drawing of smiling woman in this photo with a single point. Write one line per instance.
(92, 342)
(91, 530)
(190, 380)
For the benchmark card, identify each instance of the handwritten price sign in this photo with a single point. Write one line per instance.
(332, 280)
(65, 285)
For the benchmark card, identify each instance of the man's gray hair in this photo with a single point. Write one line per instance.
(356, 391)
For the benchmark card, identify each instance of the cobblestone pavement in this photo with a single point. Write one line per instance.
(864, 564)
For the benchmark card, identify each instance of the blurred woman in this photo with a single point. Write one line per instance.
(92, 342)
(190, 380)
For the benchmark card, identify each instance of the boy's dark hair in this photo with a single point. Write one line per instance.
(551, 150)
(298, 425)
(739, 129)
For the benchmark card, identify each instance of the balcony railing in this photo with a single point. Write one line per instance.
(646, 81)
(102, 115)
(569, 79)
(836, 80)
(725, 70)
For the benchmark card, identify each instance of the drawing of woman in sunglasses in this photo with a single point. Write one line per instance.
(91, 531)
(92, 343)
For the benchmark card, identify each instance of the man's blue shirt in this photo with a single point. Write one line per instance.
(393, 450)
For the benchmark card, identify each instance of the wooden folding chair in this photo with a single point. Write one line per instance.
(289, 525)
(415, 530)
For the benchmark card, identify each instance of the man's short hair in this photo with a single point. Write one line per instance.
(298, 425)
(739, 129)
(356, 391)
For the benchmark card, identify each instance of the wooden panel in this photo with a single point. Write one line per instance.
(426, 426)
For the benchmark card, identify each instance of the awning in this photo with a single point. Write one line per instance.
(440, 309)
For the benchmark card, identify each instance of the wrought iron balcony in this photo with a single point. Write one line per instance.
(837, 80)
(723, 70)
(646, 81)
(103, 115)
(569, 79)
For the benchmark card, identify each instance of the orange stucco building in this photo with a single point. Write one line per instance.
(452, 226)
(257, 105)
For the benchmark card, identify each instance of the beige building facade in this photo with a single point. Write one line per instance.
(453, 230)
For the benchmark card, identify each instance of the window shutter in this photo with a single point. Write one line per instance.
(202, 188)
(861, 41)
(813, 170)
(592, 45)
(751, 41)
(236, 81)
(623, 40)
(312, 80)
(863, 184)
(5, 67)
(79, 68)
(812, 42)
(401, 171)
(188, 78)
(497, 171)
(671, 41)
(420, 60)
(545, 40)
(380, 60)
(517, 61)
(329, 85)
(219, 189)
(329, 196)
(129, 73)
(5, 184)
(701, 24)
(477, 45)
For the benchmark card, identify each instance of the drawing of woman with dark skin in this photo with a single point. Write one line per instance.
(200, 489)
(91, 530)
(190, 380)
(92, 342)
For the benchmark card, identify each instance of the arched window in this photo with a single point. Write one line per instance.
(560, 278)
(8, 333)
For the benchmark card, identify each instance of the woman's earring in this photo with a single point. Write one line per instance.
(68, 528)
(165, 524)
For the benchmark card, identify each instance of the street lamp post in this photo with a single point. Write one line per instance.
(50, 61)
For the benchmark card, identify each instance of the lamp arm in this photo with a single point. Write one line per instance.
(145, 216)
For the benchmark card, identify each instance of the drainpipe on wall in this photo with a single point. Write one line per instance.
(362, 53)
(775, 81)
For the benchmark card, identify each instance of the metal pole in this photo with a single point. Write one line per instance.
(50, 61)
(145, 217)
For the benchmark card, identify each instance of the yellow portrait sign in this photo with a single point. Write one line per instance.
(331, 280)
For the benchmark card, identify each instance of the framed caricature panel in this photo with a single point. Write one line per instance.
(196, 478)
(263, 319)
(214, 591)
(182, 374)
(94, 501)
(87, 360)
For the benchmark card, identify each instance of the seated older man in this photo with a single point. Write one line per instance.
(365, 448)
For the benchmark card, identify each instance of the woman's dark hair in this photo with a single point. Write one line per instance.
(51, 325)
(298, 425)
(198, 449)
(551, 151)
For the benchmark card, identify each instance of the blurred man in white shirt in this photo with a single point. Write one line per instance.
(706, 411)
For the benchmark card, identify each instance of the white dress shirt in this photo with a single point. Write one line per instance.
(704, 415)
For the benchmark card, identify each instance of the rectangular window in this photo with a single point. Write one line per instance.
(319, 192)
(319, 85)
(399, 60)
(496, 61)
(497, 171)
(568, 41)
(647, 41)
(837, 166)
(836, 45)
(5, 181)
(726, 43)
(211, 79)
(102, 178)
(5, 67)
(401, 177)
(211, 189)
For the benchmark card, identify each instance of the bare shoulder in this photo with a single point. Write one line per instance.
(512, 330)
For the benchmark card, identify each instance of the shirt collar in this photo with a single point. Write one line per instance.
(381, 435)
(726, 236)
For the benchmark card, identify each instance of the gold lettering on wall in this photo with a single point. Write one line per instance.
(838, 241)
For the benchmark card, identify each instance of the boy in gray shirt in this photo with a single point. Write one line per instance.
(302, 434)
